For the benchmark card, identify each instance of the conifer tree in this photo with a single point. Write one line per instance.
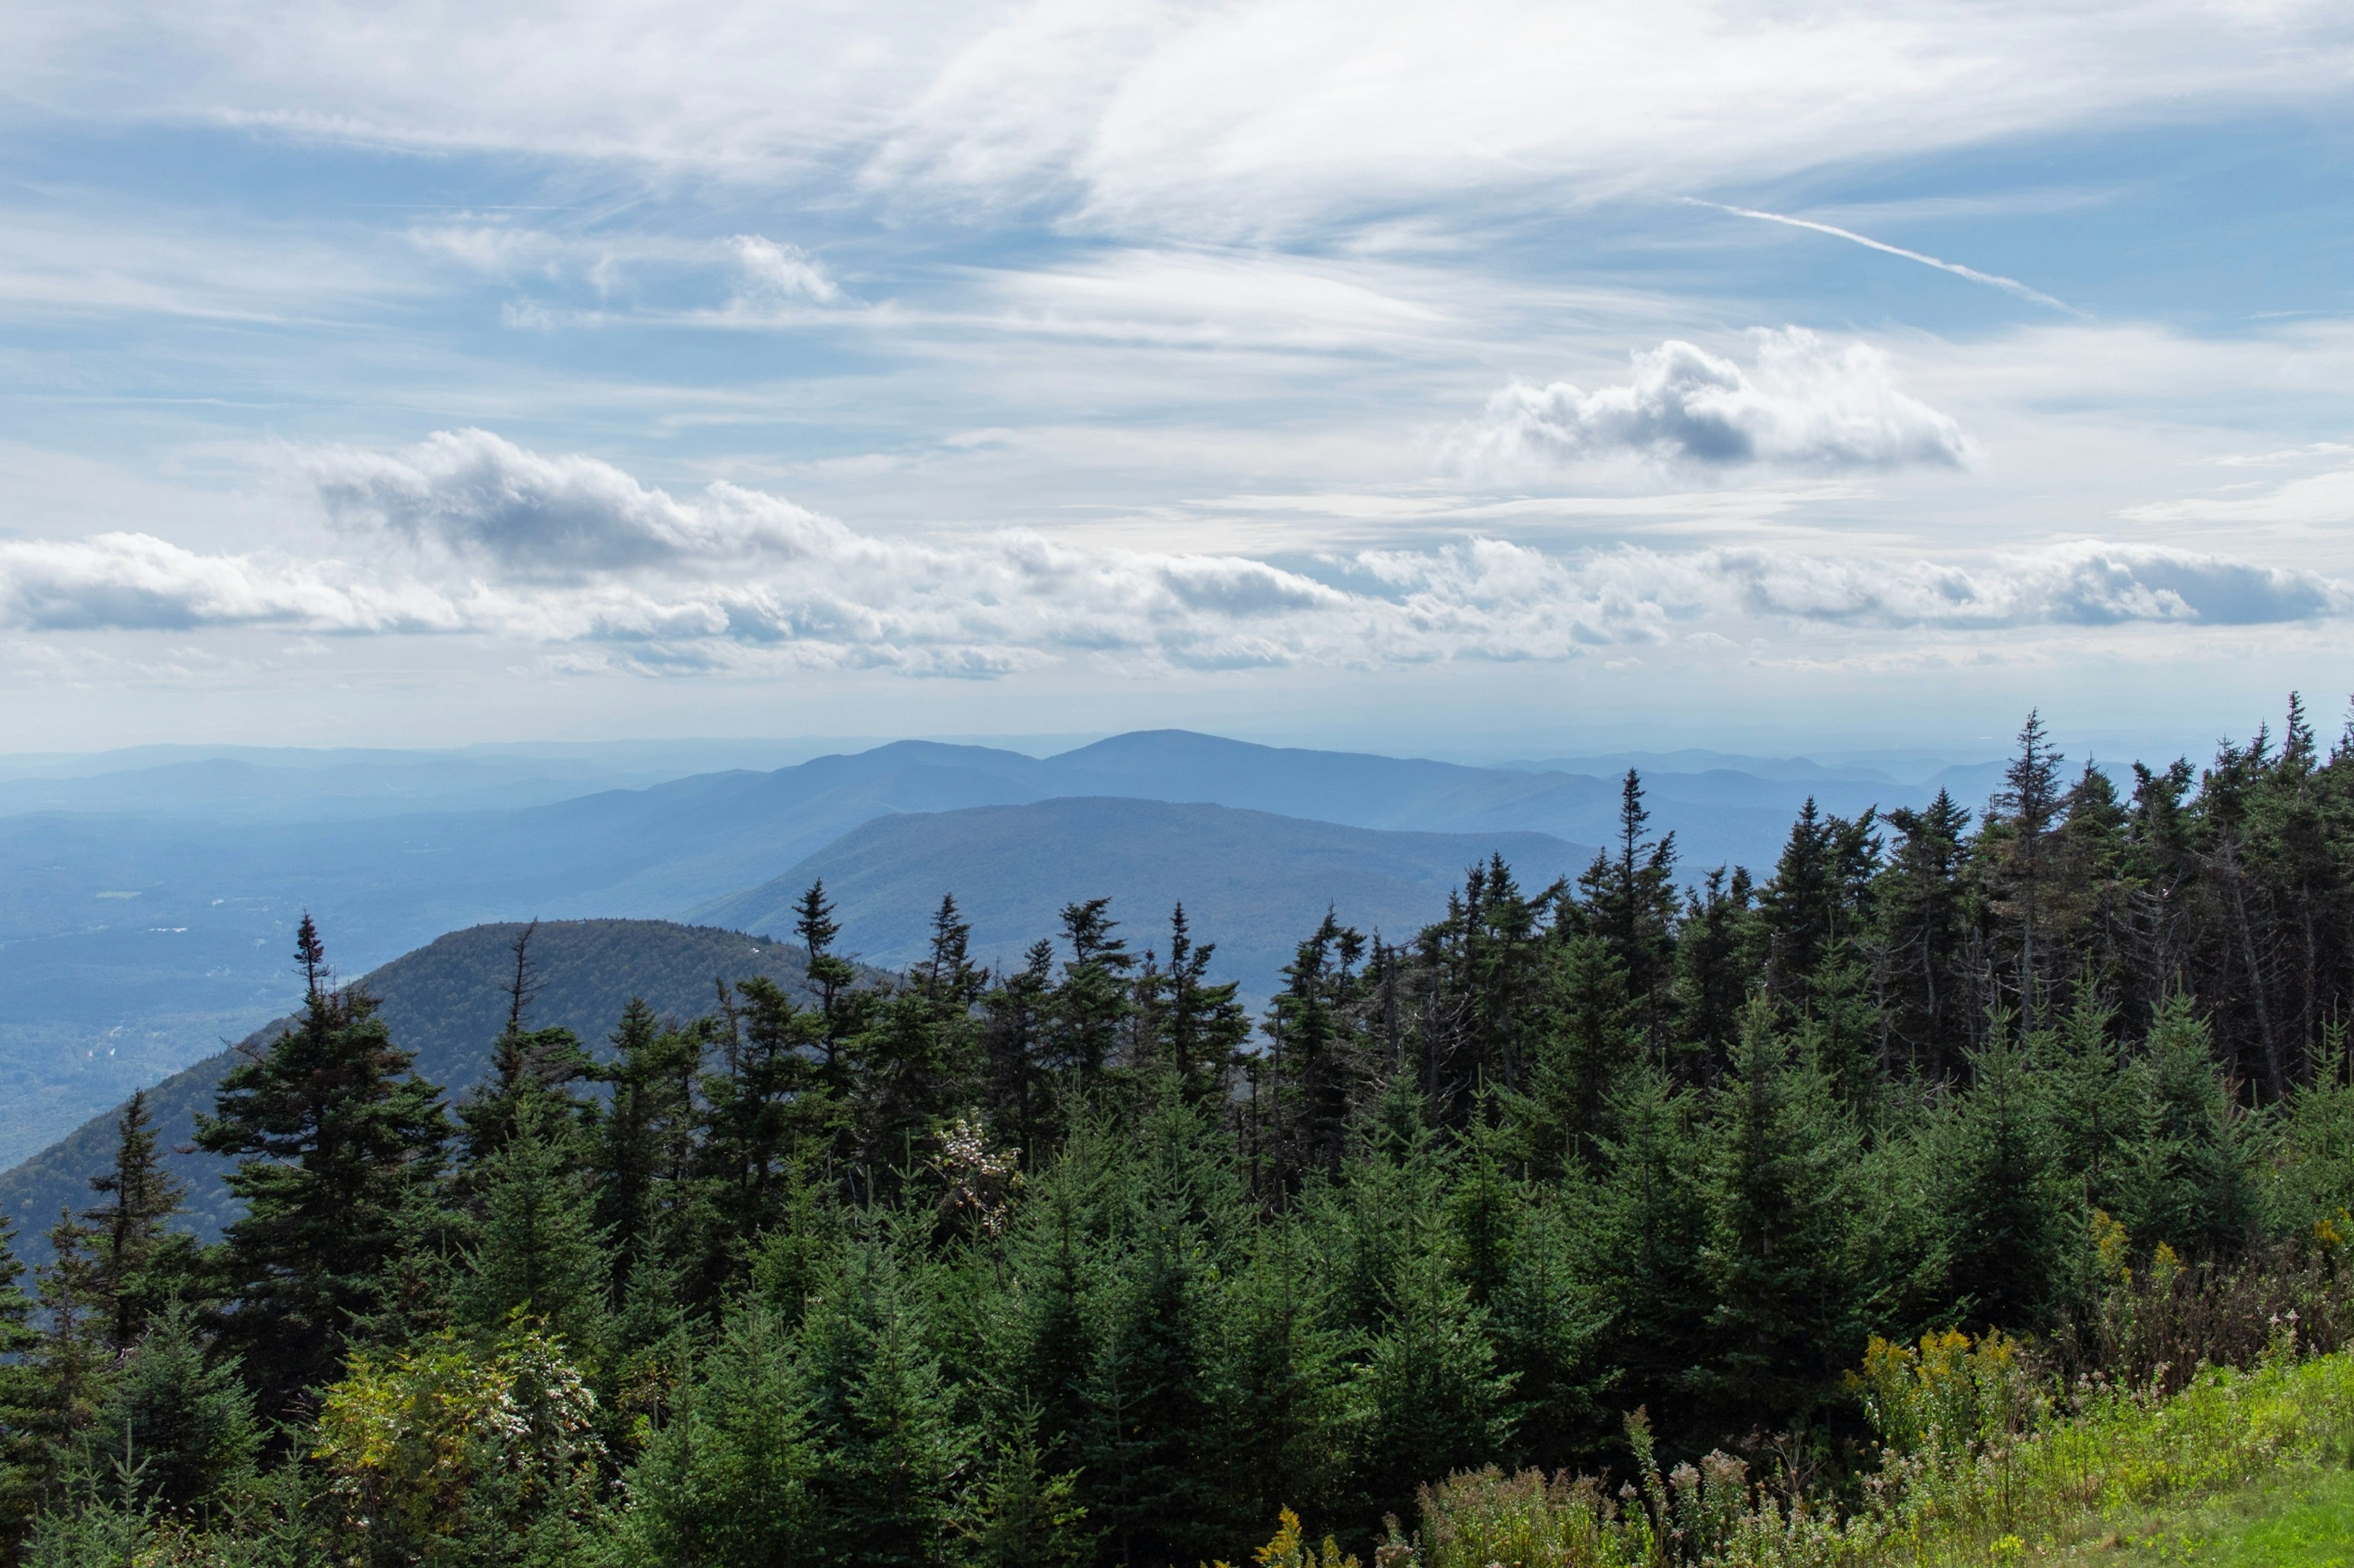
(1643, 1258)
(1590, 1036)
(25, 1451)
(833, 977)
(878, 1413)
(731, 1480)
(1923, 907)
(71, 1356)
(1632, 904)
(1714, 972)
(1784, 1322)
(526, 1065)
(2020, 831)
(1435, 1400)
(1091, 1000)
(1315, 1051)
(334, 1135)
(1997, 1193)
(764, 1100)
(1282, 1416)
(186, 1417)
(2192, 1187)
(540, 1253)
(643, 1152)
(1149, 1388)
(1016, 1016)
(1202, 1027)
(140, 1262)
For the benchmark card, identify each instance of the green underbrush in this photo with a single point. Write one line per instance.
(1980, 1464)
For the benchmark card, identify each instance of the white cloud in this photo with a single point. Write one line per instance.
(775, 272)
(2320, 499)
(1169, 117)
(1808, 404)
(138, 582)
(480, 497)
(570, 550)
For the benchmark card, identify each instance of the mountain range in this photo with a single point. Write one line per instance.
(145, 907)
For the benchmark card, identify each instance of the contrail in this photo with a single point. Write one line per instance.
(1972, 273)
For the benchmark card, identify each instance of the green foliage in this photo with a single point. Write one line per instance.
(961, 1266)
(731, 1480)
(186, 1416)
(334, 1136)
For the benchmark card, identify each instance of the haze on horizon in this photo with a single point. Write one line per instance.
(1495, 379)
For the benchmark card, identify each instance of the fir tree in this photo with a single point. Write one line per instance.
(140, 1262)
(1996, 1191)
(540, 1254)
(731, 1480)
(877, 1410)
(1784, 1322)
(25, 1454)
(334, 1135)
(186, 1416)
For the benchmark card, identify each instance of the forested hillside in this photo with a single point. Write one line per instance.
(1255, 878)
(445, 1003)
(141, 911)
(1056, 1263)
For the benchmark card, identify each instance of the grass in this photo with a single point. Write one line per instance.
(2237, 1468)
(2303, 1517)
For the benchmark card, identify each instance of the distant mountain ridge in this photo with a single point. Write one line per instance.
(132, 941)
(1253, 882)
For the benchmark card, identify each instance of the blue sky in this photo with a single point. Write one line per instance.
(1479, 379)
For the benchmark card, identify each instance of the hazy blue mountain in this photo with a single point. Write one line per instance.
(1253, 882)
(133, 939)
(447, 1001)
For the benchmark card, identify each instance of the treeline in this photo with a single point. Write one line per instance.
(1077, 1264)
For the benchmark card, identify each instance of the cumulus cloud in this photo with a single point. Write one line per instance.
(470, 533)
(477, 496)
(1807, 403)
(138, 582)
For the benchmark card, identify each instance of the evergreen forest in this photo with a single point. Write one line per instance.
(1079, 1263)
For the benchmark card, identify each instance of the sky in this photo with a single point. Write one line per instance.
(1483, 378)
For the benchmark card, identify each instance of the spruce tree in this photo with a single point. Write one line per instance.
(1785, 1323)
(834, 978)
(731, 1479)
(334, 1136)
(877, 1410)
(1282, 1412)
(1148, 1392)
(1591, 1034)
(1203, 1028)
(1632, 904)
(644, 1149)
(139, 1261)
(70, 1358)
(24, 1452)
(1016, 1018)
(540, 1252)
(1999, 1194)
(526, 1065)
(1091, 1000)
(186, 1416)
(1435, 1400)
(2192, 1187)
(1642, 1257)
